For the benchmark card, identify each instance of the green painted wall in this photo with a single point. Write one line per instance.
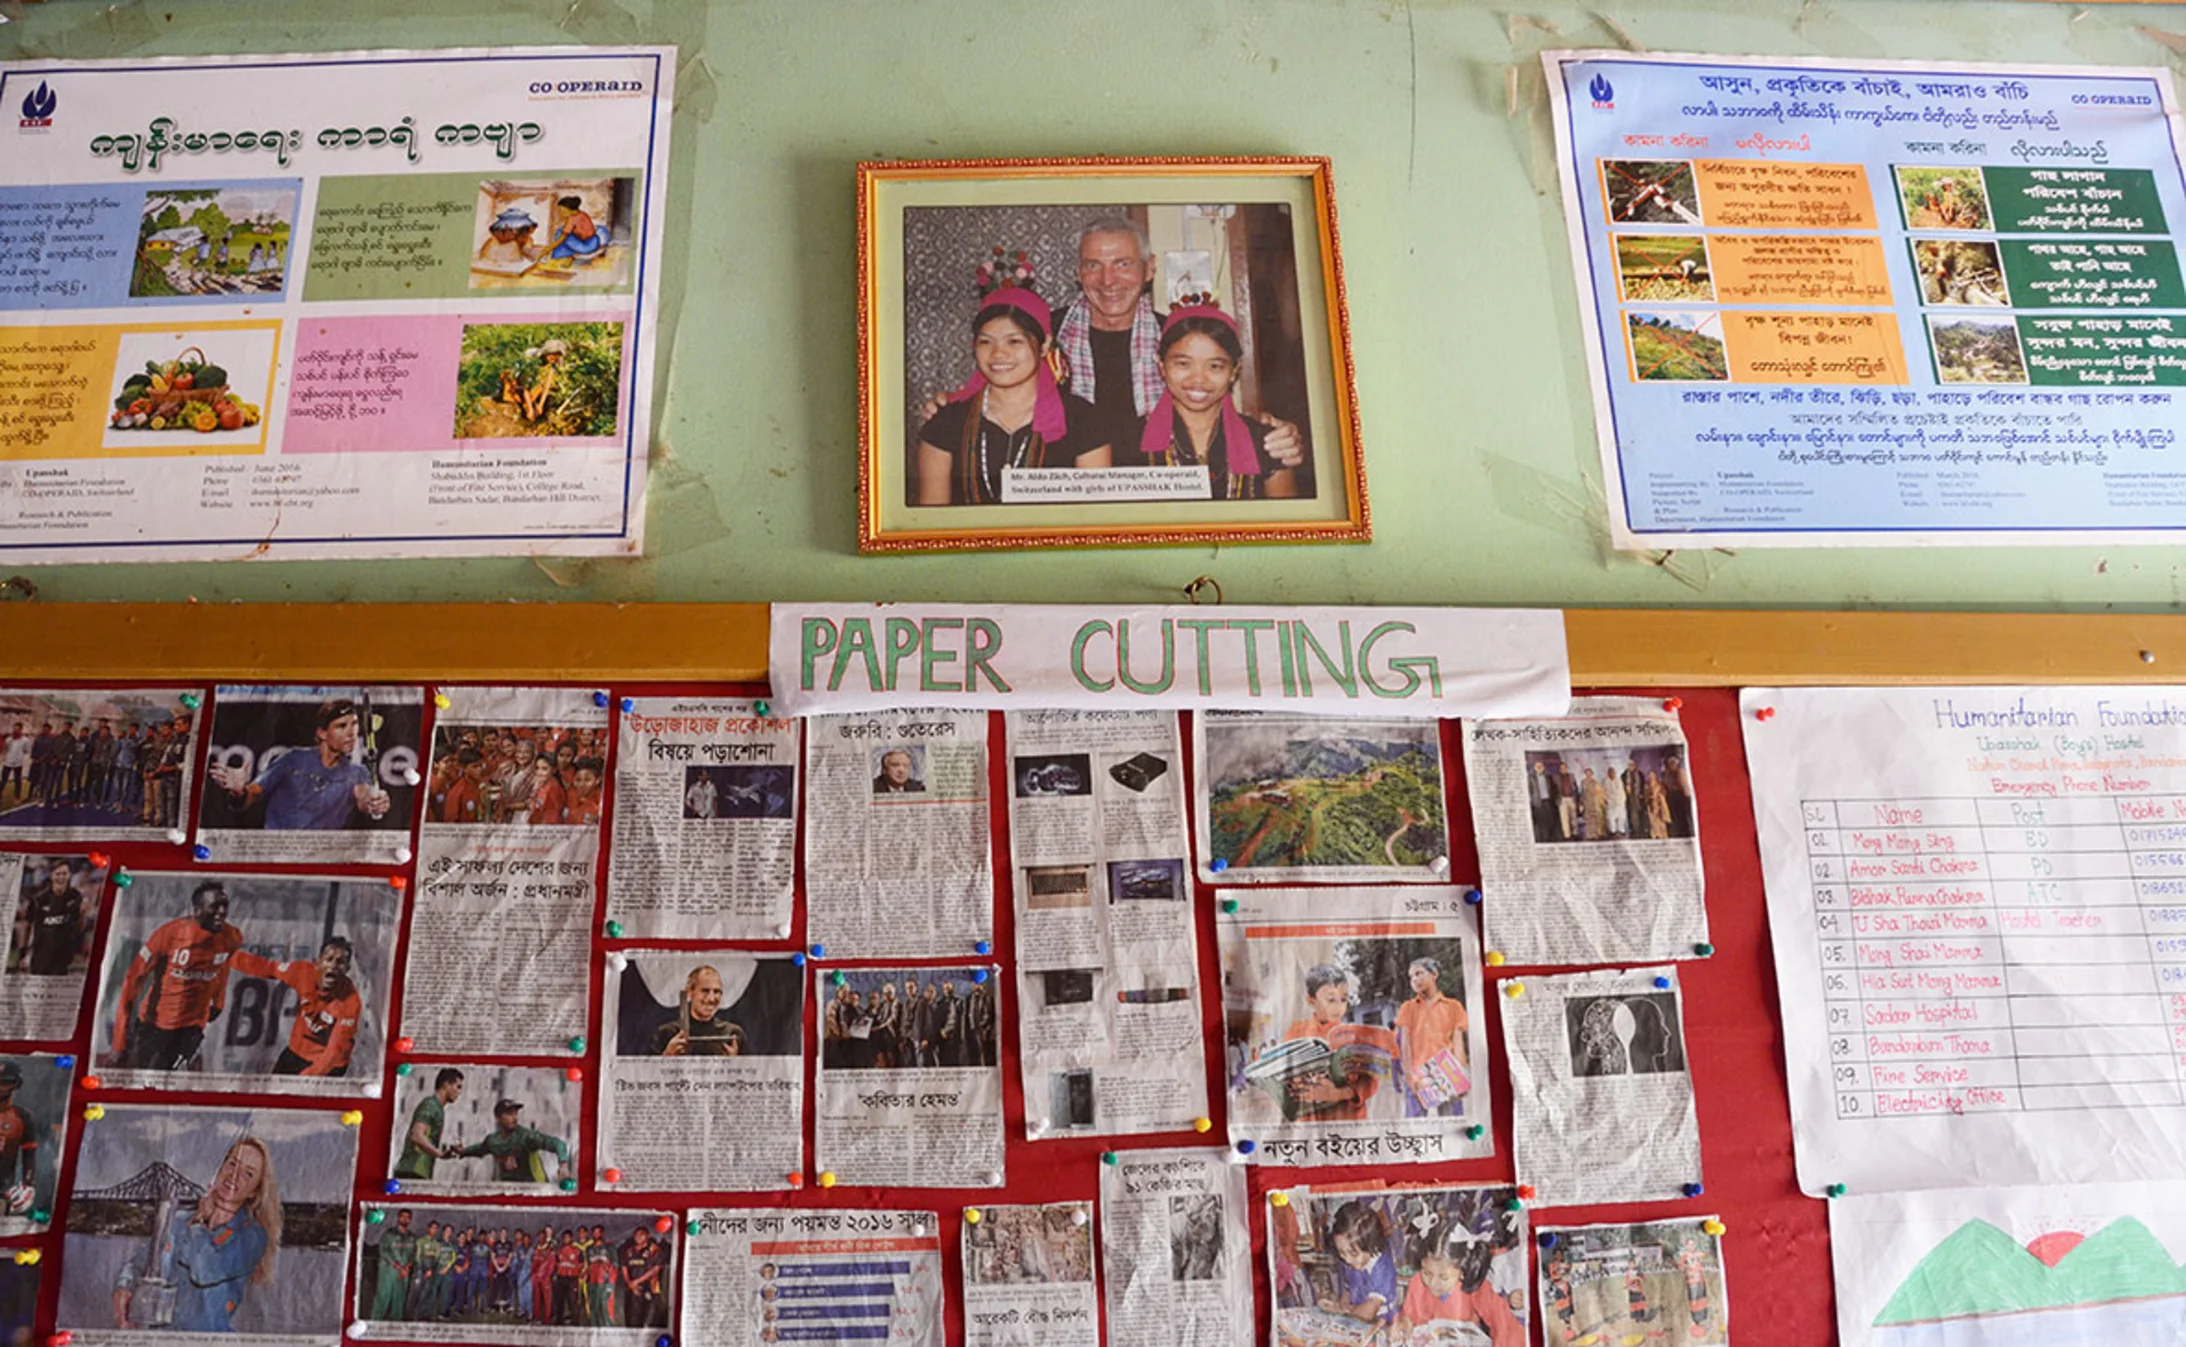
(1478, 435)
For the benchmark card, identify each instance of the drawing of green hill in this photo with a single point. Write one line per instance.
(1981, 1271)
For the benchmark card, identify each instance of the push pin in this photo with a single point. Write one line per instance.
(1440, 865)
(353, 1118)
(190, 701)
(1764, 713)
(994, 1178)
(403, 1068)
(1703, 949)
(971, 1216)
(1278, 1198)
(98, 860)
(1835, 1190)
(782, 929)
(405, 1044)
(794, 1179)
(1229, 906)
(176, 837)
(599, 699)
(1110, 1158)
(614, 930)
(611, 1175)
(569, 1185)
(1673, 704)
(392, 1187)
(410, 776)
(1548, 1239)
(1711, 1226)
(983, 947)
(374, 1216)
(1472, 897)
(798, 958)
(664, 1224)
(919, 1230)
(27, 1257)
(66, 1061)
(573, 1074)
(827, 1178)
(92, 1082)
(440, 699)
(2147, 656)
(202, 852)
(838, 977)
(1202, 1124)
(1218, 865)
(1514, 1204)
(1525, 1192)
(979, 975)
(403, 855)
(397, 883)
(576, 1043)
(123, 879)
(1694, 1190)
(628, 706)
(1495, 958)
(1514, 989)
(664, 1340)
(1476, 1131)
(817, 951)
(1662, 984)
(691, 1228)
(1247, 1146)
(618, 961)
(61, 1339)
(40, 1216)
(761, 708)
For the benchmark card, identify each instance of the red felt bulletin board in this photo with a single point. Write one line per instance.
(1775, 1246)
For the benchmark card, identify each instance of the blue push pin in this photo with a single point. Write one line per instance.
(664, 1341)
(1548, 1239)
(599, 699)
(628, 706)
(979, 975)
(798, 958)
(1218, 865)
(202, 852)
(983, 947)
(391, 1187)
(1662, 983)
(1472, 897)
(1694, 1190)
(1247, 1146)
(819, 951)
(66, 1061)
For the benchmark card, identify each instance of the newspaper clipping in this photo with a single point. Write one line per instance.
(703, 1079)
(1377, 1264)
(1601, 1102)
(1589, 844)
(19, 1300)
(271, 983)
(1354, 1026)
(97, 764)
(910, 1088)
(1176, 1251)
(33, 1128)
(506, 872)
(527, 1276)
(1028, 1276)
(1618, 1283)
(474, 1129)
(1107, 956)
(898, 858)
(1290, 798)
(52, 929)
(312, 774)
(184, 1222)
(705, 821)
(757, 1277)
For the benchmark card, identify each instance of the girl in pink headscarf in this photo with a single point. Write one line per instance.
(1011, 414)
(1195, 422)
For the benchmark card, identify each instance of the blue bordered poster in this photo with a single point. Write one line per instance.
(1830, 303)
(366, 304)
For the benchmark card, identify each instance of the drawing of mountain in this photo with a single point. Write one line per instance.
(1981, 1272)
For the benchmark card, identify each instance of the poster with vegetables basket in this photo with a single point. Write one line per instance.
(167, 402)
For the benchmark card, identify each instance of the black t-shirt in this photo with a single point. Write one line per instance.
(1218, 476)
(56, 928)
(995, 448)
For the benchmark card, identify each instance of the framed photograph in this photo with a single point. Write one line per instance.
(1103, 352)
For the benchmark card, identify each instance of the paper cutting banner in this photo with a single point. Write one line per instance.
(1361, 661)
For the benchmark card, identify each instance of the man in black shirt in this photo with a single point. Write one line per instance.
(54, 922)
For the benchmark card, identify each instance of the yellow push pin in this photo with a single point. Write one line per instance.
(1202, 1124)
(971, 1215)
(26, 1257)
(827, 1178)
(94, 1112)
(440, 699)
(1514, 990)
(1495, 958)
(1711, 1227)
(1278, 1199)
(353, 1118)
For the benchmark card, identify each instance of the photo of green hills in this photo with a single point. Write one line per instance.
(1981, 1286)
(1285, 793)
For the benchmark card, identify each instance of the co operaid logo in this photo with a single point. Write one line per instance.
(38, 107)
(1604, 93)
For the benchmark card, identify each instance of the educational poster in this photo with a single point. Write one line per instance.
(757, 1277)
(1832, 303)
(1320, 799)
(1589, 839)
(474, 1129)
(506, 871)
(1601, 1093)
(705, 822)
(898, 860)
(2009, 1267)
(33, 1129)
(1373, 1264)
(312, 774)
(99, 764)
(1977, 900)
(1028, 1276)
(1657, 1282)
(909, 1091)
(376, 304)
(261, 983)
(1176, 1255)
(541, 1276)
(1354, 1026)
(1110, 1038)
(702, 1078)
(189, 1221)
(52, 929)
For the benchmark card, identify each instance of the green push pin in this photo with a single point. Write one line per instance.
(1475, 1132)
(40, 1216)
(1835, 1190)
(761, 708)
(189, 700)
(569, 1185)
(123, 879)
(838, 977)
(403, 1068)
(1229, 905)
(1110, 1158)
(614, 930)
(691, 1229)
(576, 1043)
(374, 1216)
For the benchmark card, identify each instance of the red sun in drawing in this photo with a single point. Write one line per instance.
(2055, 1245)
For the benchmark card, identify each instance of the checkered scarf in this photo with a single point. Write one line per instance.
(1073, 339)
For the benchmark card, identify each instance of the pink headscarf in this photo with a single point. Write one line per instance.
(1047, 399)
(1236, 439)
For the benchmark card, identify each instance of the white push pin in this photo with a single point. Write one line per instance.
(410, 776)
(994, 1178)
(618, 961)
(371, 1089)
(402, 855)
(919, 1230)
(1077, 1216)
(177, 836)
(782, 930)
(1440, 865)
(357, 1328)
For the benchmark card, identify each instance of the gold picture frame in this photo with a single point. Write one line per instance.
(1244, 243)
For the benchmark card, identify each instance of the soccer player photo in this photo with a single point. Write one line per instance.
(33, 1119)
(312, 774)
(208, 1220)
(473, 1128)
(494, 1274)
(98, 764)
(46, 942)
(247, 982)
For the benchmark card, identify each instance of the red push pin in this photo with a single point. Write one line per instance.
(98, 860)
(1765, 713)
(92, 1082)
(612, 1175)
(797, 1180)
(405, 1044)
(1525, 1191)
(1673, 704)
(664, 1224)
(573, 1073)
(61, 1339)
(397, 883)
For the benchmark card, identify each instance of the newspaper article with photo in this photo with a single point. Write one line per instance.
(477, 1128)
(186, 1221)
(910, 1087)
(1028, 1276)
(1602, 1105)
(506, 872)
(1589, 843)
(262, 983)
(521, 1276)
(33, 1130)
(898, 858)
(52, 929)
(1288, 798)
(702, 1082)
(96, 764)
(1617, 1283)
(312, 774)
(705, 822)
(757, 1277)
(1176, 1254)
(1371, 1263)
(1107, 955)
(1354, 1033)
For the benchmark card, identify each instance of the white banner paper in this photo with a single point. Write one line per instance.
(1416, 662)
